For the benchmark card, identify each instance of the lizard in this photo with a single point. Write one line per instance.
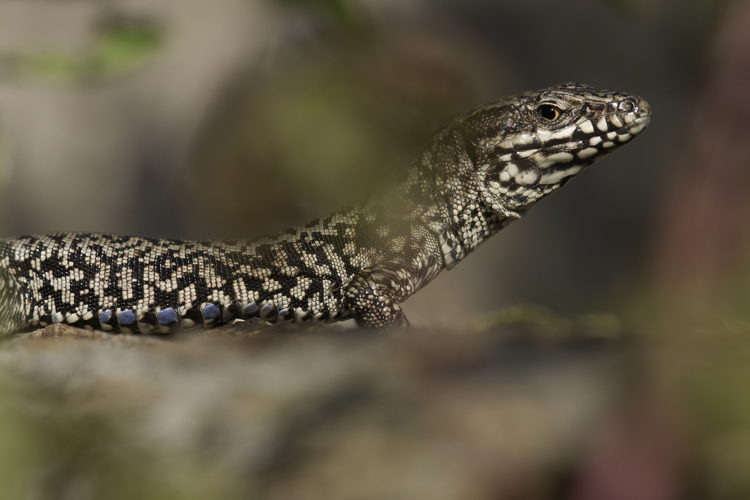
(481, 171)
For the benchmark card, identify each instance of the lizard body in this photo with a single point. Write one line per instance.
(482, 170)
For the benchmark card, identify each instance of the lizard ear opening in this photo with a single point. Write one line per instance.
(470, 146)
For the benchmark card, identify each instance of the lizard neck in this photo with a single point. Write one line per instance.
(444, 191)
(441, 193)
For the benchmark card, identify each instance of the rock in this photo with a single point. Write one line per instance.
(285, 412)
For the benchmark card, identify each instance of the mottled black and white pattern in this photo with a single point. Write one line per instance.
(481, 171)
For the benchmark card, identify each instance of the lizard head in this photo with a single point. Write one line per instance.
(527, 146)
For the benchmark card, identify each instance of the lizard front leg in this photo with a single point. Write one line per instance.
(373, 295)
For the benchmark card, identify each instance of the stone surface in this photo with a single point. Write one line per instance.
(295, 412)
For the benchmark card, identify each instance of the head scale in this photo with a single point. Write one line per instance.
(529, 145)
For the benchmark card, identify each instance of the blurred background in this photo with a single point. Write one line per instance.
(201, 119)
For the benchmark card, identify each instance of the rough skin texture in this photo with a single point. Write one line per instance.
(482, 170)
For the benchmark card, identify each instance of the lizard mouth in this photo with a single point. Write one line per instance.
(635, 128)
(623, 134)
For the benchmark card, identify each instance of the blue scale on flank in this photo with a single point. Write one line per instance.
(128, 322)
(169, 320)
(211, 315)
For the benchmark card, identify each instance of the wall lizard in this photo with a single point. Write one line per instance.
(481, 171)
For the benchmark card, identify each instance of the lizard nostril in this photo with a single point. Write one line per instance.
(627, 105)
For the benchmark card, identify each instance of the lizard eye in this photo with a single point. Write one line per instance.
(549, 112)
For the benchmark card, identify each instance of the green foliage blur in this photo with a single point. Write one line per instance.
(119, 49)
